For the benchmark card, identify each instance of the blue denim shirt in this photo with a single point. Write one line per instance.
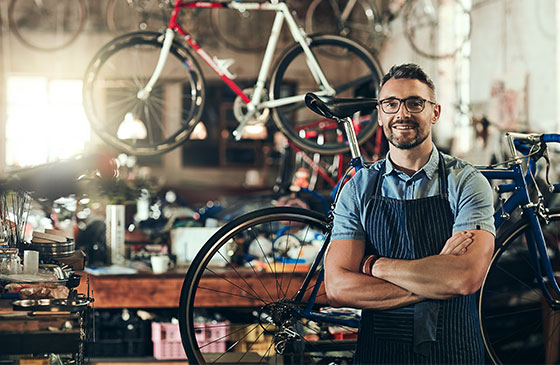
(470, 195)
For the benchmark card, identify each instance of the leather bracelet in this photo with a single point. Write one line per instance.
(367, 264)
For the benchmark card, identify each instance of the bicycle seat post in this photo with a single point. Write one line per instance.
(351, 135)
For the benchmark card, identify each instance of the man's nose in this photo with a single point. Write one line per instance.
(403, 112)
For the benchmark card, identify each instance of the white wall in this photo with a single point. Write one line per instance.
(513, 39)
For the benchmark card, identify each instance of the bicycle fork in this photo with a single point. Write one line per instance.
(167, 42)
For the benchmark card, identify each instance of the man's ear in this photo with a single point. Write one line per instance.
(379, 116)
(436, 113)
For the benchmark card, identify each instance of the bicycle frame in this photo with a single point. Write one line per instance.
(255, 103)
(536, 243)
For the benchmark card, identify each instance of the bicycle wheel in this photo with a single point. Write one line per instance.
(437, 28)
(46, 25)
(242, 31)
(517, 323)
(293, 76)
(325, 17)
(237, 301)
(124, 16)
(142, 126)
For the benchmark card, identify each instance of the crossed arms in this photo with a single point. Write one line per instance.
(459, 269)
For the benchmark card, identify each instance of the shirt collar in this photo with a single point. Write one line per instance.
(429, 168)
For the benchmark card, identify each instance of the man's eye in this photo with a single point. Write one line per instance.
(415, 102)
(391, 103)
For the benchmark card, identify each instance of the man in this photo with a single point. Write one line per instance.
(413, 237)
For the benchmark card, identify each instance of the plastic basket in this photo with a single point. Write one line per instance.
(167, 341)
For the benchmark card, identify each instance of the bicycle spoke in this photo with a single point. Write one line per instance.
(256, 296)
(295, 265)
(232, 294)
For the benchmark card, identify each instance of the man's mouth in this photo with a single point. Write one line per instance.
(403, 126)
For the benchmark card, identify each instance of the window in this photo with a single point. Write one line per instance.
(46, 121)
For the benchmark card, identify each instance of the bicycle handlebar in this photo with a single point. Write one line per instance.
(524, 143)
(551, 137)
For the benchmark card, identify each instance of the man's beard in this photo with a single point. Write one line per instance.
(407, 144)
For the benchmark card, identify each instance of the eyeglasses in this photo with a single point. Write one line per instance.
(413, 104)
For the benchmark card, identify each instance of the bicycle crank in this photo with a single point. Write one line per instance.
(240, 110)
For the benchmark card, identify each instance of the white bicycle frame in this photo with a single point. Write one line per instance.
(256, 103)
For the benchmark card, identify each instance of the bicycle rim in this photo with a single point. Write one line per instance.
(152, 125)
(323, 17)
(125, 16)
(292, 76)
(437, 28)
(48, 25)
(518, 325)
(237, 300)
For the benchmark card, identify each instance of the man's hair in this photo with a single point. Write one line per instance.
(409, 71)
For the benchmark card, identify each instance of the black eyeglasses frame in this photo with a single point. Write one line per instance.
(401, 101)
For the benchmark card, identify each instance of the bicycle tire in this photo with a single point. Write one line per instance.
(423, 37)
(242, 31)
(246, 332)
(512, 308)
(123, 16)
(323, 17)
(292, 76)
(44, 29)
(119, 70)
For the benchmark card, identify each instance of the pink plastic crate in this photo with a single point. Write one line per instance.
(167, 339)
(214, 336)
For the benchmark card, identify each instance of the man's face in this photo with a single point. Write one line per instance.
(404, 129)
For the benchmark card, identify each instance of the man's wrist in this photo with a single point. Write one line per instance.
(377, 268)
(367, 264)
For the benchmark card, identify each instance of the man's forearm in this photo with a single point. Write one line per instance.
(350, 289)
(441, 276)
(435, 277)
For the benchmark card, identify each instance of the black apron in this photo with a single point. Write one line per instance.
(432, 331)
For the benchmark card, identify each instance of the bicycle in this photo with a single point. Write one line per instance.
(324, 171)
(31, 20)
(123, 16)
(364, 21)
(152, 84)
(270, 262)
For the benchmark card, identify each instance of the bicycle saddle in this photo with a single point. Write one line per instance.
(338, 108)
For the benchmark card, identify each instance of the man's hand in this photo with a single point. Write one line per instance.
(457, 244)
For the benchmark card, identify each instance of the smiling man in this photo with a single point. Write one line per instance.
(412, 239)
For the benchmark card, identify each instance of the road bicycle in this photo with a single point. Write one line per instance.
(254, 291)
(144, 92)
(324, 170)
(425, 21)
(31, 21)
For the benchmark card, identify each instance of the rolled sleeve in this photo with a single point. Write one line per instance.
(475, 204)
(347, 214)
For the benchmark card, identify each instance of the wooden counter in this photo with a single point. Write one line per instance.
(141, 290)
(148, 290)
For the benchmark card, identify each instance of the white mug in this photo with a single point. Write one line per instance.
(30, 262)
(160, 264)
